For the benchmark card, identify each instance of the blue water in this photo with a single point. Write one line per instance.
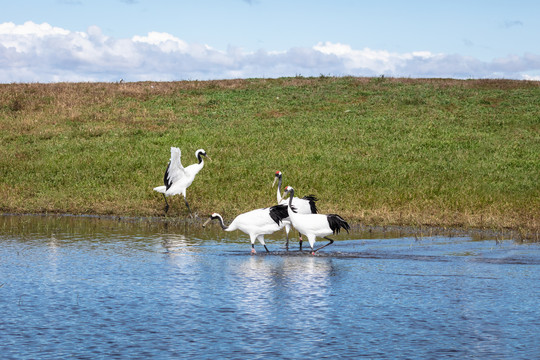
(93, 289)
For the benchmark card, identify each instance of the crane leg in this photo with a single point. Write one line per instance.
(330, 242)
(287, 243)
(261, 240)
(300, 240)
(187, 204)
(166, 204)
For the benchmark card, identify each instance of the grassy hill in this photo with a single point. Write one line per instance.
(379, 151)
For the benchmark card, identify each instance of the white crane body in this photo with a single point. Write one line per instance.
(315, 225)
(305, 205)
(178, 178)
(256, 223)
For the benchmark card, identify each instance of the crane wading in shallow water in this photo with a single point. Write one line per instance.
(256, 223)
(178, 178)
(305, 205)
(313, 225)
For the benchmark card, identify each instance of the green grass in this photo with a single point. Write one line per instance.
(375, 150)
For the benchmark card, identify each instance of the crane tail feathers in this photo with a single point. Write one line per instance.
(311, 199)
(337, 223)
(278, 213)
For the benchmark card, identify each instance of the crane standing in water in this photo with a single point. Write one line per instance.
(313, 225)
(305, 205)
(256, 223)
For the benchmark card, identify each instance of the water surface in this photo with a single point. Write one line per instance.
(102, 288)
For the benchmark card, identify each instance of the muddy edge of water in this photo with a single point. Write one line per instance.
(370, 231)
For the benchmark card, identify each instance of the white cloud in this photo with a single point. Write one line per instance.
(531, 77)
(378, 61)
(42, 53)
(30, 28)
(166, 42)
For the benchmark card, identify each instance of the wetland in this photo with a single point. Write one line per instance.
(90, 287)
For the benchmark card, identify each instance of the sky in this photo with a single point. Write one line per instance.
(168, 40)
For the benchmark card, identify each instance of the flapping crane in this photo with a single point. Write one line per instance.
(178, 178)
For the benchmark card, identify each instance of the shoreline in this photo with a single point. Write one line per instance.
(367, 230)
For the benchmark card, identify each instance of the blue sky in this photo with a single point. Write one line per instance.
(106, 40)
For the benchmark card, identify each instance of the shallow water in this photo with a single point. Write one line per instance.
(99, 288)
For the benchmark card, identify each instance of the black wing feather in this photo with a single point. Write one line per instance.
(336, 222)
(166, 181)
(278, 213)
(311, 199)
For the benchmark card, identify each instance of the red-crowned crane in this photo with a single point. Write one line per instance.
(178, 178)
(256, 223)
(313, 225)
(305, 205)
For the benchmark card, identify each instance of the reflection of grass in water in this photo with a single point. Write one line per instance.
(380, 151)
(464, 253)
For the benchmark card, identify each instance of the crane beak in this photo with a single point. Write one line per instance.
(274, 183)
(207, 221)
(208, 157)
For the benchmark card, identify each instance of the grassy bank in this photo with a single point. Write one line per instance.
(375, 150)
